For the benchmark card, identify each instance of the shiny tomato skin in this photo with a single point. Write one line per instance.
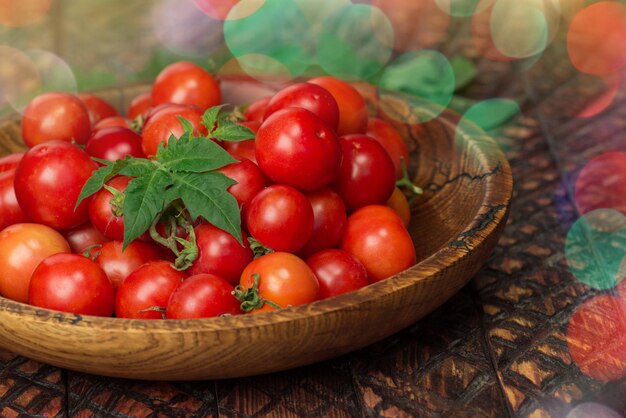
(256, 110)
(352, 106)
(150, 286)
(329, 221)
(284, 279)
(281, 218)
(49, 180)
(118, 264)
(295, 147)
(311, 97)
(381, 244)
(71, 283)
(391, 140)
(101, 209)
(114, 121)
(55, 116)
(140, 105)
(10, 211)
(97, 107)
(10, 162)
(220, 253)
(337, 272)
(84, 236)
(164, 123)
(250, 181)
(376, 212)
(202, 296)
(22, 248)
(185, 83)
(366, 175)
(114, 143)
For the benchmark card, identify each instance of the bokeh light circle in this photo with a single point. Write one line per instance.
(592, 410)
(16, 13)
(244, 8)
(215, 9)
(355, 42)
(604, 100)
(595, 246)
(426, 75)
(258, 66)
(602, 183)
(491, 113)
(417, 24)
(596, 338)
(596, 39)
(17, 78)
(463, 8)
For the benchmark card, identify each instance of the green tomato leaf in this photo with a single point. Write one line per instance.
(211, 117)
(464, 71)
(205, 195)
(187, 126)
(230, 131)
(195, 155)
(492, 113)
(145, 197)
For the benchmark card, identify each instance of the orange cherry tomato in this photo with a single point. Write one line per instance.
(400, 205)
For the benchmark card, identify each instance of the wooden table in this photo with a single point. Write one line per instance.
(496, 349)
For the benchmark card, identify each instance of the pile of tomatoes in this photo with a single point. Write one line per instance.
(320, 211)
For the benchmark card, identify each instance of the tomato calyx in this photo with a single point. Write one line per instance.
(117, 203)
(155, 309)
(185, 250)
(92, 252)
(406, 184)
(136, 124)
(223, 126)
(258, 249)
(250, 298)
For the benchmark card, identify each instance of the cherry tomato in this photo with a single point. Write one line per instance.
(48, 182)
(105, 209)
(311, 97)
(376, 212)
(256, 110)
(329, 220)
(352, 106)
(381, 244)
(10, 211)
(145, 292)
(391, 140)
(400, 205)
(71, 283)
(120, 121)
(84, 236)
(140, 105)
(185, 83)
(338, 272)
(22, 248)
(164, 123)
(55, 116)
(118, 264)
(97, 107)
(114, 143)
(202, 296)
(295, 147)
(281, 218)
(366, 175)
(250, 181)
(284, 280)
(10, 162)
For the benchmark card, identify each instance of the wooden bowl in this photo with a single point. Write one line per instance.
(455, 226)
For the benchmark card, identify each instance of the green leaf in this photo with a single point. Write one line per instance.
(492, 113)
(145, 198)
(138, 167)
(195, 155)
(211, 116)
(187, 126)
(205, 195)
(95, 182)
(222, 128)
(464, 71)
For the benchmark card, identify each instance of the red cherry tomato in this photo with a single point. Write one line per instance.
(311, 97)
(118, 121)
(338, 272)
(114, 143)
(391, 140)
(281, 218)
(105, 210)
(284, 280)
(202, 296)
(48, 182)
(84, 236)
(118, 264)
(380, 243)
(55, 116)
(10, 211)
(10, 162)
(219, 253)
(256, 110)
(185, 83)
(329, 220)
(97, 107)
(366, 175)
(250, 181)
(164, 123)
(295, 147)
(140, 105)
(376, 212)
(22, 248)
(145, 292)
(352, 106)
(71, 283)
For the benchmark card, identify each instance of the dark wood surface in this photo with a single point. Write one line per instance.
(496, 349)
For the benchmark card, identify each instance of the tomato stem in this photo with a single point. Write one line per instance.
(405, 182)
(186, 256)
(250, 298)
(155, 308)
(258, 249)
(117, 203)
(93, 256)
(137, 124)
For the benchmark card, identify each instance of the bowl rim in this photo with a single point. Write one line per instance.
(498, 191)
